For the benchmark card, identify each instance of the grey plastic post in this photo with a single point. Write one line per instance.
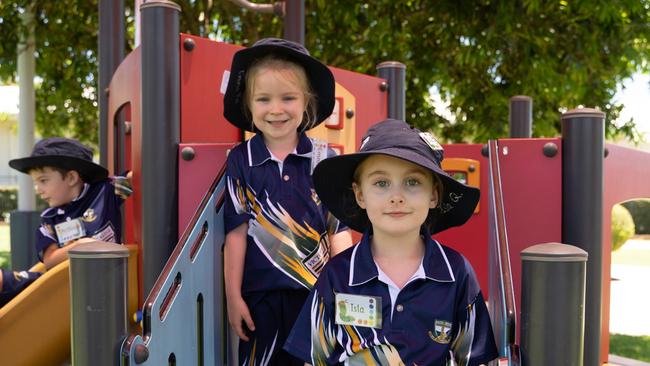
(111, 52)
(98, 293)
(521, 116)
(395, 74)
(294, 20)
(583, 148)
(160, 135)
(22, 231)
(552, 305)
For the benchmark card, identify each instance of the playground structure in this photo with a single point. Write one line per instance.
(170, 91)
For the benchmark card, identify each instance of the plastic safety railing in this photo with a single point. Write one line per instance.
(501, 302)
(183, 314)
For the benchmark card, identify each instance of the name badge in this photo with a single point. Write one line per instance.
(69, 230)
(357, 310)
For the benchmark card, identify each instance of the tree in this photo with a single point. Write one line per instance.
(66, 64)
(477, 54)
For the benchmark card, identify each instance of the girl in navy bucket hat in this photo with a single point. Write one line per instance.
(397, 297)
(278, 234)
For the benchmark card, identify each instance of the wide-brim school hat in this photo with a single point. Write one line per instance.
(333, 176)
(320, 78)
(62, 153)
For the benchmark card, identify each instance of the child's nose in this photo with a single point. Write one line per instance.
(396, 198)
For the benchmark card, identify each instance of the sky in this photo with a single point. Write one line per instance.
(635, 94)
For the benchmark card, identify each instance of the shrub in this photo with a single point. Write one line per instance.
(622, 226)
(640, 210)
(8, 202)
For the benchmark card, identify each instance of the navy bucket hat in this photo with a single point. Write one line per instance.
(333, 176)
(320, 78)
(62, 153)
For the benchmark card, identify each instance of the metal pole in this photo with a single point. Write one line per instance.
(583, 132)
(25, 220)
(98, 293)
(521, 116)
(160, 134)
(26, 107)
(552, 305)
(294, 20)
(395, 74)
(111, 53)
(22, 233)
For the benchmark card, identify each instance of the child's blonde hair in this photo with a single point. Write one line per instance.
(274, 62)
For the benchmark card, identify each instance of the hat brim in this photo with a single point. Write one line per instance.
(333, 182)
(320, 78)
(89, 171)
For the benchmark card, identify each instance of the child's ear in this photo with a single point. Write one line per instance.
(434, 198)
(72, 177)
(358, 195)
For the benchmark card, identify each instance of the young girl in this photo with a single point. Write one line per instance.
(278, 234)
(397, 297)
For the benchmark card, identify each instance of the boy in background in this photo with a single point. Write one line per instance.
(84, 205)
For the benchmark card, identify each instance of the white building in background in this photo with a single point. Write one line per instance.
(8, 135)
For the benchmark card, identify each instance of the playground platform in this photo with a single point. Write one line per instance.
(622, 361)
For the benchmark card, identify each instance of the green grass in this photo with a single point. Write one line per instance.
(5, 254)
(636, 348)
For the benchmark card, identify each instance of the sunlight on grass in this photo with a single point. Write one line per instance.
(634, 255)
(636, 348)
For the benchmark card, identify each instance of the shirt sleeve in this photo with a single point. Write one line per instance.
(122, 187)
(474, 341)
(313, 336)
(334, 226)
(45, 236)
(236, 210)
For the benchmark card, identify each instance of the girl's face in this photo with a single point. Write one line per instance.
(277, 104)
(395, 193)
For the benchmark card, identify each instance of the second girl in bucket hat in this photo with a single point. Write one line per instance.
(278, 234)
(398, 297)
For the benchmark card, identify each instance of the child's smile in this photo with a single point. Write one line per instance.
(277, 104)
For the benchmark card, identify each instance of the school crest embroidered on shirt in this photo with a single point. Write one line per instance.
(441, 332)
(89, 215)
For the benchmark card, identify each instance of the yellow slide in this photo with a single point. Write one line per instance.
(35, 325)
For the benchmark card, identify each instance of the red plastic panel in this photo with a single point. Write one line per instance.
(196, 176)
(202, 72)
(471, 239)
(371, 102)
(627, 177)
(532, 193)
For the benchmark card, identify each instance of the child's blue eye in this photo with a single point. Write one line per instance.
(289, 98)
(262, 100)
(381, 183)
(411, 182)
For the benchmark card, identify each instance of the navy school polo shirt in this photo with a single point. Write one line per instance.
(435, 318)
(288, 227)
(98, 210)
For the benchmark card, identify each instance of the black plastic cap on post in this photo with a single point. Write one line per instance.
(521, 116)
(395, 74)
(552, 305)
